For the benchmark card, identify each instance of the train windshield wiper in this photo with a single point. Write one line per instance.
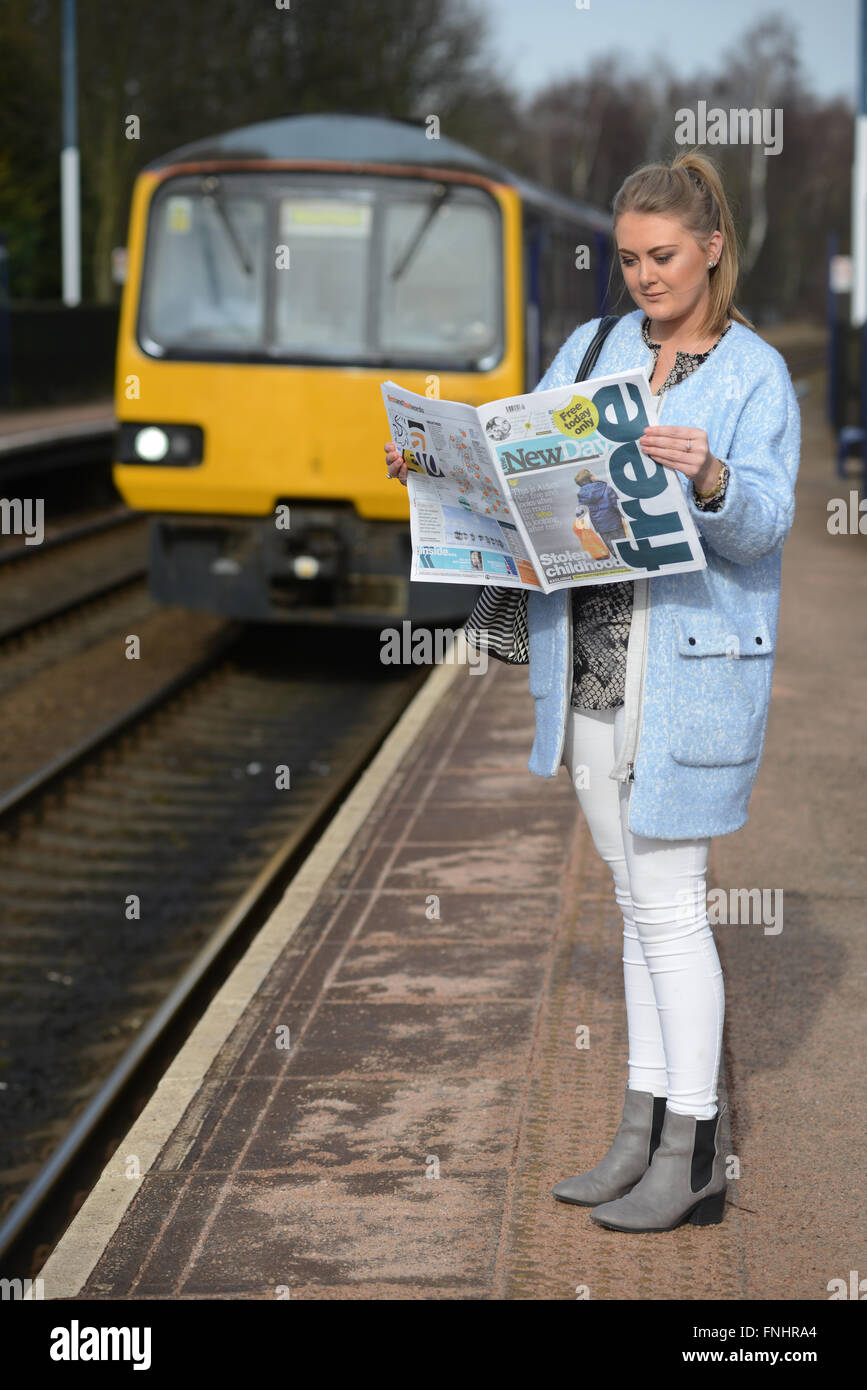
(211, 194)
(433, 208)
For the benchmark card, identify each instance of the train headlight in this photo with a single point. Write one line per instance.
(151, 444)
(305, 566)
(173, 446)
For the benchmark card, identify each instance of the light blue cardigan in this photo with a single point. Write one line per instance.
(701, 645)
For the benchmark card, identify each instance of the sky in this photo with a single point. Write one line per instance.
(538, 41)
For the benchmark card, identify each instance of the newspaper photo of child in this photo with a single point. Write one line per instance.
(598, 511)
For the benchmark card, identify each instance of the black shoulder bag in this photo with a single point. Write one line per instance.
(498, 621)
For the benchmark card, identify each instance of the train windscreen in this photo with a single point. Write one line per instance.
(357, 269)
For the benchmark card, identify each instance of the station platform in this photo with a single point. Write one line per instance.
(44, 425)
(381, 1096)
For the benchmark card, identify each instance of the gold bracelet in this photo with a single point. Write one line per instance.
(716, 489)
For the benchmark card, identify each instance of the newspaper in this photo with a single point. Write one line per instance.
(543, 491)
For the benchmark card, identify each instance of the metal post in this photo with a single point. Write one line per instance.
(5, 347)
(835, 387)
(70, 198)
(858, 302)
(602, 273)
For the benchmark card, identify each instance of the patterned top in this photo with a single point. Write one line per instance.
(602, 613)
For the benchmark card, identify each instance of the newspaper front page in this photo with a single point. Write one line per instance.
(546, 491)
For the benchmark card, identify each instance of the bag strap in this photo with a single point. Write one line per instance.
(593, 351)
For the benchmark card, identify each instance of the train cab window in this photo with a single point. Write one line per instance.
(441, 286)
(324, 269)
(204, 286)
(321, 296)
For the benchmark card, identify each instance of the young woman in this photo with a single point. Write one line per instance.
(655, 693)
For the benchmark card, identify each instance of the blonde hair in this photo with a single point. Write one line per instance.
(690, 189)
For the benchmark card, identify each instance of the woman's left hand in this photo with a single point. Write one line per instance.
(667, 444)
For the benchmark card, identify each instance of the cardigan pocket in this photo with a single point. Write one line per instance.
(721, 672)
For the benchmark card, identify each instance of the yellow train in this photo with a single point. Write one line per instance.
(276, 274)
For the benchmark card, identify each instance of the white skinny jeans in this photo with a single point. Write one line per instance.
(675, 998)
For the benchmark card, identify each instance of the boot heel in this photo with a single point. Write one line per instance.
(710, 1211)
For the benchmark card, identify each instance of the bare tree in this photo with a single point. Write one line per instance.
(762, 74)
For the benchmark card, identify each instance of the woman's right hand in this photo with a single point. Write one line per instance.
(394, 462)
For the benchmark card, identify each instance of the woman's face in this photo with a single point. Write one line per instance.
(665, 271)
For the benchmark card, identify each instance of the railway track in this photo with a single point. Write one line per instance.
(153, 780)
(81, 565)
(132, 877)
(94, 524)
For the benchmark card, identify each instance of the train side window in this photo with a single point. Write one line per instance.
(568, 292)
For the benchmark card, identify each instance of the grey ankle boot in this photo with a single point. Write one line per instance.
(685, 1181)
(635, 1142)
